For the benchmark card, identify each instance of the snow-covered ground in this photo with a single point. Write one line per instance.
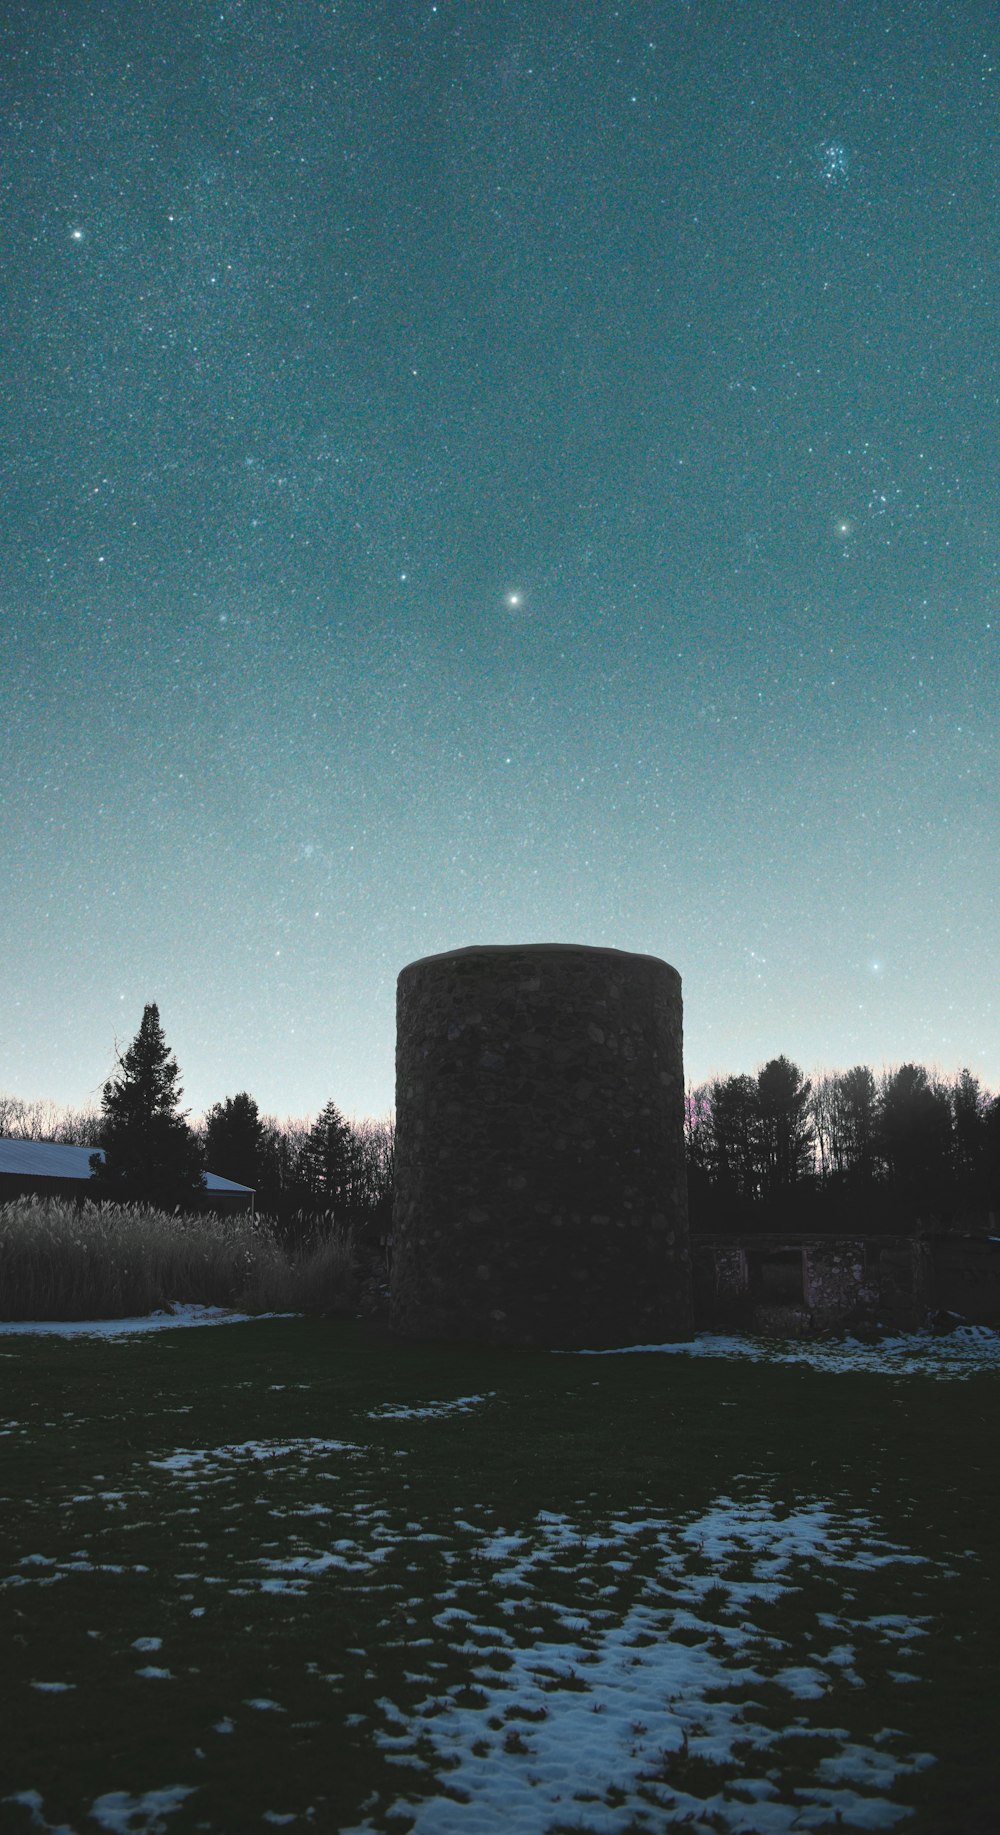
(963, 1352)
(115, 1810)
(602, 1673)
(968, 1349)
(609, 1670)
(171, 1317)
(602, 1668)
(400, 1411)
(613, 1719)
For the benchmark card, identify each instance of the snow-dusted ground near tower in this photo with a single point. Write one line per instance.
(683, 1704)
(706, 1661)
(963, 1352)
(176, 1315)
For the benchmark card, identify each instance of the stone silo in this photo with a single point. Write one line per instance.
(540, 1193)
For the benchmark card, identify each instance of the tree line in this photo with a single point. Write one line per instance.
(305, 1174)
(846, 1151)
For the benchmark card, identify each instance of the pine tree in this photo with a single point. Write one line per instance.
(234, 1133)
(328, 1157)
(150, 1153)
(915, 1125)
(786, 1131)
(968, 1114)
(733, 1136)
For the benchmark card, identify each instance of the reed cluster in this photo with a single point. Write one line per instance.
(60, 1260)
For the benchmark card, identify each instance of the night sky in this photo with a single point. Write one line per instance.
(496, 471)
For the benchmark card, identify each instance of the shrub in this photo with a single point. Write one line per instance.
(63, 1261)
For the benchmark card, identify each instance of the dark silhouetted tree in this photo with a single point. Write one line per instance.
(328, 1157)
(79, 1128)
(371, 1158)
(785, 1131)
(234, 1133)
(854, 1124)
(281, 1157)
(821, 1114)
(915, 1129)
(698, 1131)
(849, 1152)
(969, 1109)
(733, 1153)
(991, 1154)
(698, 1156)
(150, 1152)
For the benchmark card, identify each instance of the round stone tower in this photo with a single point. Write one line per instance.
(540, 1193)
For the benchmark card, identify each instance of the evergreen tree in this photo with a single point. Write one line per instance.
(991, 1153)
(915, 1125)
(733, 1153)
(785, 1130)
(234, 1134)
(327, 1157)
(889, 1152)
(150, 1152)
(968, 1111)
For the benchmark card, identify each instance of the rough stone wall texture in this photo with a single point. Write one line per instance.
(540, 1192)
(845, 1282)
(721, 1293)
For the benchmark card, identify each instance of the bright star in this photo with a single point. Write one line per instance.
(513, 599)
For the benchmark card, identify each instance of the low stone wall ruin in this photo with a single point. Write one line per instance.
(799, 1284)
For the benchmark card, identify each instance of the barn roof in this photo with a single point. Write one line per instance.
(51, 1160)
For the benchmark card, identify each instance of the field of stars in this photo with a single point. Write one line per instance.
(483, 472)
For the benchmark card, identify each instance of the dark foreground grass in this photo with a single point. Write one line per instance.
(239, 1569)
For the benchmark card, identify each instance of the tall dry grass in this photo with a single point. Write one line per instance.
(61, 1261)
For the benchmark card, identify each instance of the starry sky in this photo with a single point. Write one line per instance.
(496, 471)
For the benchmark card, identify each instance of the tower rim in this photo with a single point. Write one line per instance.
(495, 950)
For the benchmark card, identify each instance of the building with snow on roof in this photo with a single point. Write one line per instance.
(47, 1169)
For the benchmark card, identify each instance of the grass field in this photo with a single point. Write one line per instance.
(286, 1573)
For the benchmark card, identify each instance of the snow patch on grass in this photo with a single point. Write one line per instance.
(430, 1411)
(176, 1315)
(963, 1352)
(616, 1719)
(126, 1815)
(33, 1801)
(203, 1461)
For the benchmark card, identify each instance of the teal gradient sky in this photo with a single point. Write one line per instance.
(490, 472)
